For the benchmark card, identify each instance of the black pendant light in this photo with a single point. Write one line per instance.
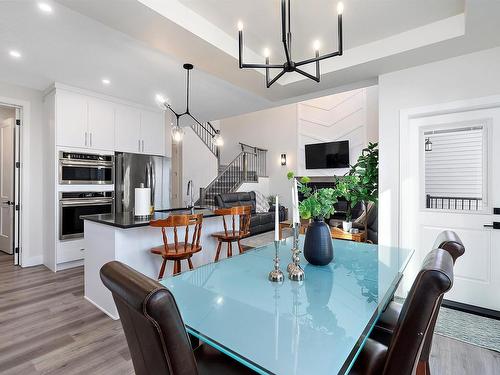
(286, 36)
(177, 131)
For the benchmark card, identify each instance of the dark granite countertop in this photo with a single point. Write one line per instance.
(127, 220)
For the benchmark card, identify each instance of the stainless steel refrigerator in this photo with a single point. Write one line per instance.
(133, 169)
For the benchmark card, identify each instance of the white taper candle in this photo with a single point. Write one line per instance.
(295, 213)
(276, 220)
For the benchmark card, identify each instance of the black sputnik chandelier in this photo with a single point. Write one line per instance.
(177, 131)
(286, 36)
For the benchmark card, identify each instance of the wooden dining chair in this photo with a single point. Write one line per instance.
(233, 233)
(177, 251)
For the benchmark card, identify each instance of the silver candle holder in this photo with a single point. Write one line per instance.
(295, 271)
(276, 275)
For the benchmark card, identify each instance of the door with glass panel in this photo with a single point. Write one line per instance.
(455, 173)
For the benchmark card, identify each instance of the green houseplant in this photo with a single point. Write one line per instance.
(347, 187)
(360, 185)
(317, 205)
(366, 169)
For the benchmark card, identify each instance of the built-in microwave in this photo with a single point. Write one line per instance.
(85, 169)
(74, 204)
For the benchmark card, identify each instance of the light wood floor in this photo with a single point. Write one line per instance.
(46, 327)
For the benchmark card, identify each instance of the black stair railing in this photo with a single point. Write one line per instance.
(248, 166)
(207, 138)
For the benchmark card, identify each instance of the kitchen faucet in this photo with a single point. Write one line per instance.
(190, 195)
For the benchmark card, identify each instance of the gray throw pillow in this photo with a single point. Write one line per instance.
(261, 203)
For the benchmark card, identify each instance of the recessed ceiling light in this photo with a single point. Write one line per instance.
(105, 81)
(44, 7)
(15, 54)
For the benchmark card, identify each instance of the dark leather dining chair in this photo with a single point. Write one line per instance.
(154, 329)
(402, 355)
(446, 240)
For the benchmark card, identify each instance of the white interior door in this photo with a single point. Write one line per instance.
(477, 280)
(6, 184)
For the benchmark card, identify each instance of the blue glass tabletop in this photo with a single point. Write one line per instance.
(315, 326)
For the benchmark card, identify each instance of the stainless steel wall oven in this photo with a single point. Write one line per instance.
(85, 169)
(73, 204)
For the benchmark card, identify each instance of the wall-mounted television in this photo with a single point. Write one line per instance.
(327, 155)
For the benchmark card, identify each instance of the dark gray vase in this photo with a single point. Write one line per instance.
(318, 248)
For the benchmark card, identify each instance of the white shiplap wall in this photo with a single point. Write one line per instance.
(332, 118)
(455, 166)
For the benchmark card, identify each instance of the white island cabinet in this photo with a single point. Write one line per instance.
(127, 240)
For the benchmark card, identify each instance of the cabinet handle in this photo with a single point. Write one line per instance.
(85, 138)
(90, 139)
(139, 142)
(143, 145)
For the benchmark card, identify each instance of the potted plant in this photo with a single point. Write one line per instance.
(366, 169)
(317, 205)
(347, 187)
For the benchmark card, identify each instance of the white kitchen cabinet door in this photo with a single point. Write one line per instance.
(101, 125)
(127, 129)
(152, 133)
(71, 119)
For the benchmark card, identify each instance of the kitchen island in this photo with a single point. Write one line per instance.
(128, 239)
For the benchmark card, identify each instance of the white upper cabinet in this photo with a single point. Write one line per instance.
(87, 122)
(71, 119)
(101, 125)
(84, 122)
(128, 129)
(152, 133)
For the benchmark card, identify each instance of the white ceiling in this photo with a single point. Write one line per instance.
(317, 20)
(140, 45)
(70, 48)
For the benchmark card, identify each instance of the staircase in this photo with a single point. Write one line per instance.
(248, 166)
(201, 130)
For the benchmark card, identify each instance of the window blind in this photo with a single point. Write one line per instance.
(454, 169)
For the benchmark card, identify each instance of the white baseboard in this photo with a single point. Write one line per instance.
(31, 261)
(100, 308)
(66, 265)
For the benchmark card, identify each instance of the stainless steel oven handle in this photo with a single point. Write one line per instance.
(77, 163)
(85, 203)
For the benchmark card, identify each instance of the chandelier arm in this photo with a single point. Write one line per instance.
(278, 76)
(263, 66)
(318, 58)
(315, 78)
(171, 110)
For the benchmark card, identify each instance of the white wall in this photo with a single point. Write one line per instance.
(468, 76)
(32, 233)
(261, 186)
(286, 129)
(273, 129)
(198, 164)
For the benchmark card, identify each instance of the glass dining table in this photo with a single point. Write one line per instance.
(317, 326)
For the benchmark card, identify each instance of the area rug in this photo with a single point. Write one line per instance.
(469, 328)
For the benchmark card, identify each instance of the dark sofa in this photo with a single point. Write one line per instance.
(259, 222)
